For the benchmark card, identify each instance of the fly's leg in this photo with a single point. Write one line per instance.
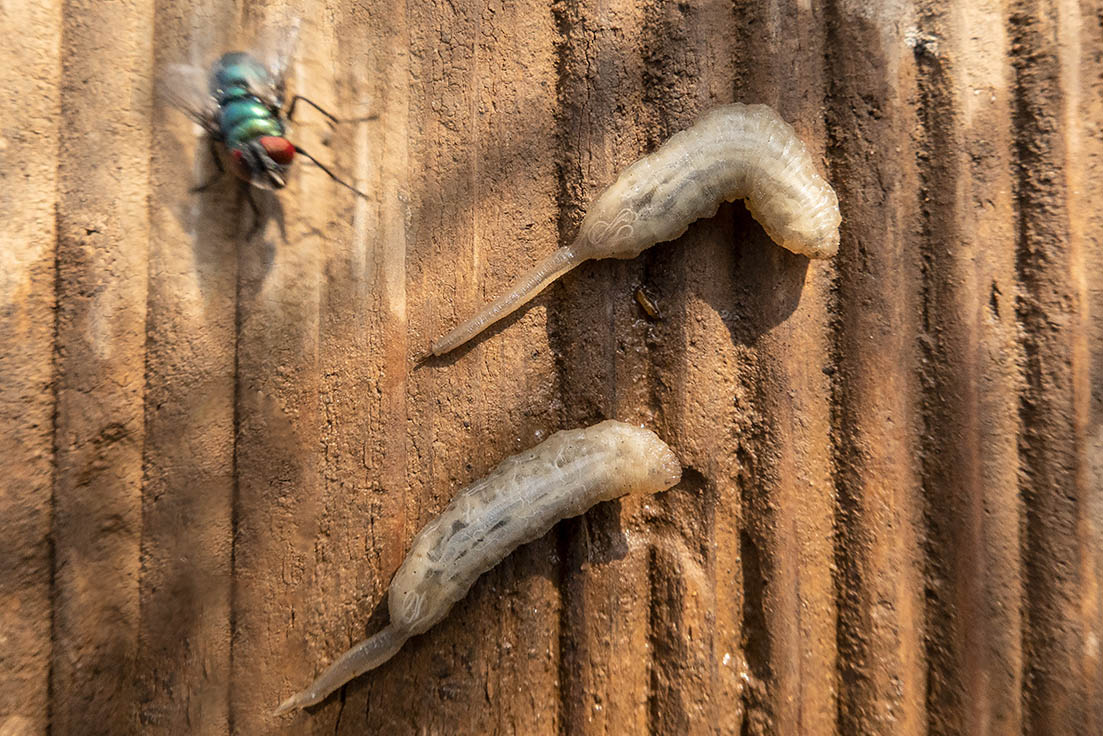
(301, 152)
(213, 147)
(254, 208)
(245, 191)
(315, 105)
(329, 173)
(319, 108)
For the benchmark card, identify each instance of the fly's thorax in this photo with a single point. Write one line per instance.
(244, 119)
(242, 110)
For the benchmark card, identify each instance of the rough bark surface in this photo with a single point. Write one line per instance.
(217, 448)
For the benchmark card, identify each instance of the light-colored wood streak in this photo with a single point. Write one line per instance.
(191, 325)
(30, 105)
(99, 427)
(883, 678)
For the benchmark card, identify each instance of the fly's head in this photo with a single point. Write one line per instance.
(264, 161)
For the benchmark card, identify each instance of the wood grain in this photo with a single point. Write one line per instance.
(30, 107)
(217, 448)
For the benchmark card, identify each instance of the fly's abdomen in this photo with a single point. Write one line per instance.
(235, 82)
(234, 75)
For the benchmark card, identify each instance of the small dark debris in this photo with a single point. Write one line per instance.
(647, 304)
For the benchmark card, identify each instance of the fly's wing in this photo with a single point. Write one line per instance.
(185, 87)
(274, 49)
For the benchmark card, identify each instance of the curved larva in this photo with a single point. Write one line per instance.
(518, 502)
(733, 152)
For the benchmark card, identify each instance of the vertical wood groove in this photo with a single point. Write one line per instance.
(29, 142)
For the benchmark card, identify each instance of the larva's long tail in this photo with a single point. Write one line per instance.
(545, 272)
(366, 655)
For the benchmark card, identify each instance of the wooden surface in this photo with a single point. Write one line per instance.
(217, 449)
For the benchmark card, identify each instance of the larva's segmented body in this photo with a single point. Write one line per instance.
(733, 152)
(519, 501)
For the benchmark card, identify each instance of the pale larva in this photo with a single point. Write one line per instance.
(733, 152)
(518, 502)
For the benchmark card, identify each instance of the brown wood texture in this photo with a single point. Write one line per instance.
(216, 448)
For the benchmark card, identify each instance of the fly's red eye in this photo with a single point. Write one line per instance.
(278, 149)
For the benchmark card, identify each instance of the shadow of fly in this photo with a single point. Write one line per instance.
(239, 103)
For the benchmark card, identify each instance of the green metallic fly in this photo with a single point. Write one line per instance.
(239, 103)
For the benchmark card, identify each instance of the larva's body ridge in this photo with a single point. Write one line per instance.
(517, 502)
(733, 151)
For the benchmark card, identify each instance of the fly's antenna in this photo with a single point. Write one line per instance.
(331, 175)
